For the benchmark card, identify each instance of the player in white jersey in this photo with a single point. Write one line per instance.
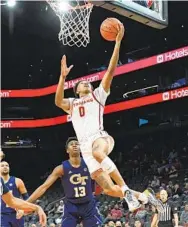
(87, 119)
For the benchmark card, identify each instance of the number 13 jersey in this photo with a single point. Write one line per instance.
(77, 183)
(87, 113)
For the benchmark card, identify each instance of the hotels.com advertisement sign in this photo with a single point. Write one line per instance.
(112, 108)
(172, 55)
(175, 94)
(133, 66)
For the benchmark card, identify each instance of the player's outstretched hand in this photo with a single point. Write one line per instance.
(64, 69)
(121, 31)
(42, 216)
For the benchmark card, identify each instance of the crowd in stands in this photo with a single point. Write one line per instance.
(167, 169)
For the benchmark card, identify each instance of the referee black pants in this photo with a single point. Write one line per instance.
(165, 224)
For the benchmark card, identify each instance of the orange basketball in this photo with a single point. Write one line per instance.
(109, 29)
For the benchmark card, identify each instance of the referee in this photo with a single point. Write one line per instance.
(164, 219)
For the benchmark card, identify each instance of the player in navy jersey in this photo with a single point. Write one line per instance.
(18, 189)
(16, 203)
(79, 203)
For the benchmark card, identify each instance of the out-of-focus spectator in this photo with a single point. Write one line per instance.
(116, 213)
(52, 225)
(155, 166)
(53, 209)
(141, 213)
(177, 164)
(173, 173)
(111, 224)
(138, 223)
(60, 208)
(105, 211)
(177, 191)
(135, 168)
(173, 154)
(118, 224)
(185, 190)
(184, 215)
(33, 225)
(155, 182)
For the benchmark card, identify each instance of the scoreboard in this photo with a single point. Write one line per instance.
(153, 13)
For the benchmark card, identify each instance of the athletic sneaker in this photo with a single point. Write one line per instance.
(153, 200)
(132, 201)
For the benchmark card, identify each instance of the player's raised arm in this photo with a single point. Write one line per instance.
(57, 172)
(60, 101)
(107, 79)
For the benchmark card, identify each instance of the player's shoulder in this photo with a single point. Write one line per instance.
(59, 170)
(18, 181)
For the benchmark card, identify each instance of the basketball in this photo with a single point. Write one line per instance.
(109, 29)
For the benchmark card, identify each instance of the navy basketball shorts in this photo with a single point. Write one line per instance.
(9, 220)
(87, 213)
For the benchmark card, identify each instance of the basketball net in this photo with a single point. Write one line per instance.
(74, 21)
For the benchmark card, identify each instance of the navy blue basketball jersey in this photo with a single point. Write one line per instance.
(77, 183)
(11, 185)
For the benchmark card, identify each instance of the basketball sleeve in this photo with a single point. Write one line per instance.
(101, 95)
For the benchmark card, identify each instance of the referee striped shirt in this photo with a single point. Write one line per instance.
(169, 210)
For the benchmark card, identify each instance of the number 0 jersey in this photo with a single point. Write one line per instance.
(87, 113)
(77, 183)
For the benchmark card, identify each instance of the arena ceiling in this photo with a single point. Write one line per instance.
(31, 50)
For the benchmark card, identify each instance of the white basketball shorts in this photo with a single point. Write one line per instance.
(86, 149)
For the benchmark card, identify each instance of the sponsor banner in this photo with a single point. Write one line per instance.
(172, 55)
(175, 94)
(133, 66)
(112, 108)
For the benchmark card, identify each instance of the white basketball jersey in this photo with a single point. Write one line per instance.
(87, 113)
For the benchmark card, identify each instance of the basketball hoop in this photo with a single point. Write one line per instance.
(74, 21)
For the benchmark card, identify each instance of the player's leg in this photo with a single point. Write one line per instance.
(91, 216)
(105, 182)
(17, 222)
(101, 148)
(101, 177)
(69, 220)
(5, 220)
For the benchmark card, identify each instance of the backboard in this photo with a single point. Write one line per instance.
(153, 13)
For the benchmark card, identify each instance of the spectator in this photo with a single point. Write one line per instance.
(138, 223)
(177, 191)
(177, 164)
(118, 224)
(184, 215)
(116, 213)
(185, 190)
(111, 224)
(155, 166)
(52, 225)
(155, 183)
(105, 211)
(173, 154)
(53, 209)
(60, 208)
(33, 225)
(173, 173)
